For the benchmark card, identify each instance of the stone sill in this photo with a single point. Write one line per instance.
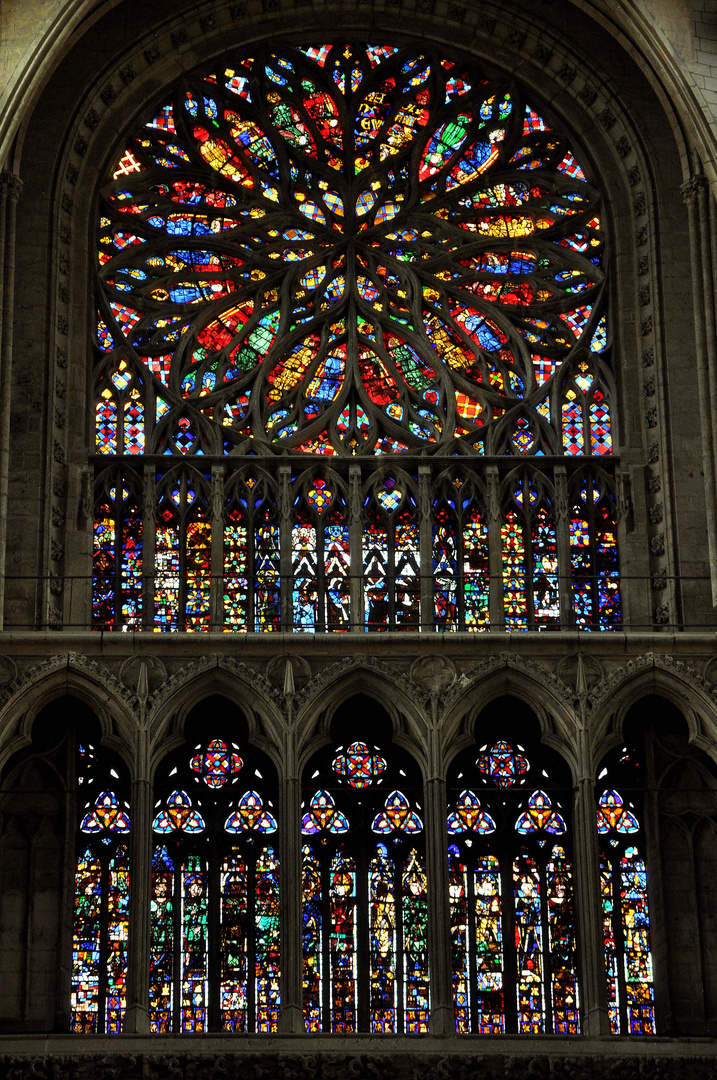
(384, 1046)
(565, 642)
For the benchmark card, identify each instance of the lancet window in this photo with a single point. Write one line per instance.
(100, 924)
(625, 899)
(461, 564)
(378, 256)
(214, 963)
(364, 890)
(320, 555)
(513, 931)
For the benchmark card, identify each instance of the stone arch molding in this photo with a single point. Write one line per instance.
(69, 673)
(552, 700)
(241, 682)
(684, 685)
(405, 700)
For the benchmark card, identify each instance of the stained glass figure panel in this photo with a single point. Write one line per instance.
(343, 944)
(161, 966)
(234, 944)
(529, 933)
(635, 918)
(382, 942)
(267, 942)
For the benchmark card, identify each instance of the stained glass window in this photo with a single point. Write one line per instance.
(117, 552)
(324, 256)
(513, 932)
(625, 900)
(101, 897)
(215, 891)
(593, 552)
(320, 555)
(365, 959)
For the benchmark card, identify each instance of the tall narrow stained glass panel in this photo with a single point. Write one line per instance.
(513, 936)
(625, 901)
(101, 900)
(365, 959)
(216, 887)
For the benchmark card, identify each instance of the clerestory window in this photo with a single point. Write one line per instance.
(353, 355)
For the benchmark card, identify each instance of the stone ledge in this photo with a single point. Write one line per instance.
(248, 1057)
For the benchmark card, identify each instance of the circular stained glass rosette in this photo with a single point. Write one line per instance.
(350, 249)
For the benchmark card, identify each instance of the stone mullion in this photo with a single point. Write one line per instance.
(216, 613)
(291, 1019)
(495, 555)
(562, 532)
(285, 523)
(149, 536)
(586, 863)
(695, 192)
(140, 884)
(425, 503)
(355, 550)
(443, 1021)
(10, 187)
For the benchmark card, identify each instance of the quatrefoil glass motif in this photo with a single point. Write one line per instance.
(217, 764)
(502, 764)
(359, 765)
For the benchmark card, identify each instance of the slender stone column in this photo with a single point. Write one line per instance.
(10, 188)
(291, 1021)
(140, 873)
(593, 984)
(696, 195)
(443, 1020)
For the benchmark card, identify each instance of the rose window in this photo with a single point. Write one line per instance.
(350, 251)
(354, 250)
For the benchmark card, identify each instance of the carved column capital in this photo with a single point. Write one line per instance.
(692, 188)
(10, 184)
